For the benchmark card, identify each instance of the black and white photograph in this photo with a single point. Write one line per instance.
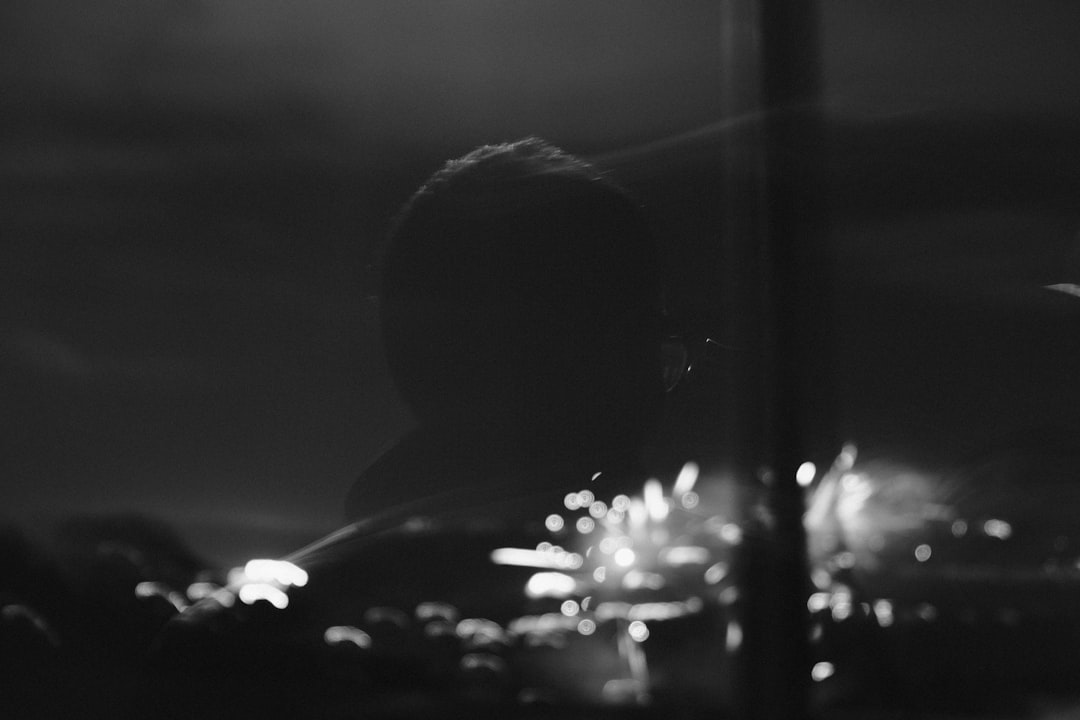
(615, 359)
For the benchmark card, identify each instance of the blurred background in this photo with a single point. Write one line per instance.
(191, 195)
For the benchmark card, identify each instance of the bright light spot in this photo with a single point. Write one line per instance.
(149, 589)
(998, 528)
(624, 557)
(600, 574)
(554, 522)
(846, 459)
(639, 631)
(570, 608)
(152, 589)
(655, 503)
(595, 475)
(684, 555)
(338, 634)
(822, 671)
(200, 590)
(883, 610)
(585, 525)
(282, 572)
(959, 528)
(716, 573)
(586, 498)
(523, 557)
(255, 591)
(550, 584)
(436, 611)
(690, 500)
(621, 503)
(573, 561)
(805, 474)
(817, 602)
(923, 552)
(734, 636)
(926, 612)
(224, 597)
(731, 533)
(821, 578)
(572, 501)
(586, 627)
(684, 483)
(598, 509)
(635, 580)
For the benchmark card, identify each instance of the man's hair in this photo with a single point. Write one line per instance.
(509, 265)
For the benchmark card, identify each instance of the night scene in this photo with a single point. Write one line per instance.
(406, 359)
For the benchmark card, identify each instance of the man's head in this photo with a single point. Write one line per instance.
(521, 290)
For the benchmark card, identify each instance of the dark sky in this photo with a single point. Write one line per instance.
(191, 191)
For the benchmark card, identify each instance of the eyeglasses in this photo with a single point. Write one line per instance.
(681, 354)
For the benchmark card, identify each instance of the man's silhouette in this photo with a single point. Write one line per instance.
(521, 311)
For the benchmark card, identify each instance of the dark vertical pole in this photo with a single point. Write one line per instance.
(792, 353)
